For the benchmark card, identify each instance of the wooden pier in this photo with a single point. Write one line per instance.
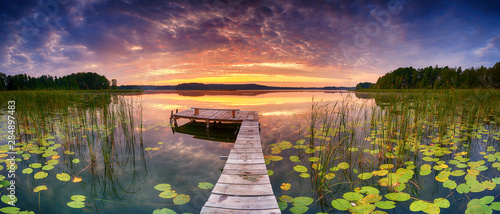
(244, 186)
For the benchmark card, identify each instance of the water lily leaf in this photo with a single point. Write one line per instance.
(489, 185)
(450, 184)
(482, 168)
(418, 206)
(300, 142)
(475, 207)
(334, 169)
(341, 204)
(496, 180)
(35, 165)
(270, 172)
(367, 190)
(300, 168)
(365, 176)
(398, 196)
(442, 202)
(282, 205)
(76, 179)
(9, 210)
(47, 167)
(181, 199)
(299, 209)
(425, 167)
(285, 145)
(40, 175)
(381, 172)
(53, 162)
(295, 158)
(76, 160)
(443, 176)
(27, 171)
(352, 196)
(457, 173)
(463, 188)
(202, 185)
(343, 165)
(386, 166)
(495, 206)
(40, 188)
(487, 199)
(286, 199)
(168, 194)
(63, 177)
(164, 211)
(302, 201)
(76, 204)
(163, 187)
(330, 176)
(310, 150)
(432, 209)
(425, 172)
(365, 208)
(6, 199)
(305, 175)
(285, 186)
(313, 159)
(386, 205)
(372, 198)
(275, 158)
(78, 198)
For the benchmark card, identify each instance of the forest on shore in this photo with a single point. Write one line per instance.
(437, 78)
(75, 81)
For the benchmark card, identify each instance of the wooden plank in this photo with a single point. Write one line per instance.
(242, 203)
(245, 172)
(218, 210)
(244, 167)
(247, 179)
(246, 161)
(238, 150)
(243, 190)
(246, 155)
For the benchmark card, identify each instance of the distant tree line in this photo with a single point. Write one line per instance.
(202, 86)
(440, 78)
(78, 81)
(364, 85)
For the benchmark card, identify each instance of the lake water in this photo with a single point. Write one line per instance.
(121, 162)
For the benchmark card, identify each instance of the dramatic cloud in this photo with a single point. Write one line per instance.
(241, 41)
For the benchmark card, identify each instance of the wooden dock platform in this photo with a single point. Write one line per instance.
(244, 186)
(215, 115)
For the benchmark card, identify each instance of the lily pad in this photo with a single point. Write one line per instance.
(300, 168)
(47, 167)
(285, 186)
(164, 211)
(6, 199)
(202, 185)
(294, 158)
(352, 196)
(27, 171)
(163, 187)
(76, 160)
(343, 165)
(181, 199)
(418, 206)
(78, 198)
(76, 204)
(487, 199)
(330, 176)
(63, 177)
(450, 184)
(35, 165)
(398, 196)
(305, 175)
(286, 199)
(299, 209)
(442, 202)
(282, 205)
(463, 188)
(364, 208)
(341, 204)
(302, 201)
(168, 194)
(9, 210)
(365, 176)
(40, 188)
(275, 158)
(40, 175)
(386, 205)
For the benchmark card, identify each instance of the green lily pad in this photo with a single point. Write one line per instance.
(164, 211)
(286, 199)
(367, 190)
(285, 145)
(163, 187)
(442, 202)
(463, 188)
(205, 185)
(78, 198)
(305, 175)
(487, 199)
(425, 172)
(40, 188)
(300, 168)
(270, 172)
(76, 204)
(299, 209)
(35, 165)
(76, 160)
(450, 184)
(275, 158)
(282, 205)
(314, 159)
(63, 177)
(329, 176)
(302, 201)
(418, 206)
(9, 210)
(496, 180)
(40, 175)
(181, 199)
(364, 208)
(365, 176)
(457, 173)
(341, 204)
(352, 196)
(294, 158)
(495, 206)
(343, 165)
(386, 166)
(6, 199)
(27, 171)
(386, 205)
(47, 167)
(168, 194)
(475, 206)
(398, 196)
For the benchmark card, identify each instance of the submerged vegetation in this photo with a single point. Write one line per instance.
(424, 151)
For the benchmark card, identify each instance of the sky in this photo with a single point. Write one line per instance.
(276, 43)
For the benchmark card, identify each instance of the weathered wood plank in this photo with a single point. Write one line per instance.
(244, 167)
(243, 190)
(245, 172)
(246, 161)
(242, 203)
(218, 210)
(246, 155)
(247, 179)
